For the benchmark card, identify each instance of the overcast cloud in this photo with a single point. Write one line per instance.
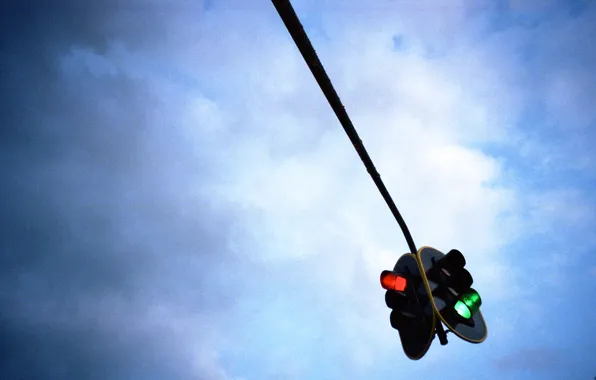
(179, 201)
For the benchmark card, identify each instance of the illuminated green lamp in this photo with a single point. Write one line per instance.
(468, 304)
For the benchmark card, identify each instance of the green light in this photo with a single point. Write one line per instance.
(462, 310)
(468, 304)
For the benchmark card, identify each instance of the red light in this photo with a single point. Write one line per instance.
(391, 281)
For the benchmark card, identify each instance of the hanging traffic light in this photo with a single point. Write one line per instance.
(448, 285)
(412, 314)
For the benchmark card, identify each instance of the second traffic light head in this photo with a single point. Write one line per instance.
(449, 286)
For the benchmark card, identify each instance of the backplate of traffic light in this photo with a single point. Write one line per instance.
(412, 314)
(448, 285)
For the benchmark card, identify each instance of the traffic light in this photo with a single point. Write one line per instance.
(448, 285)
(412, 314)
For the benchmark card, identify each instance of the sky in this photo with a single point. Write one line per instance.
(180, 202)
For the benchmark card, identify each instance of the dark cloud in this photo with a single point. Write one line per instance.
(102, 228)
(531, 359)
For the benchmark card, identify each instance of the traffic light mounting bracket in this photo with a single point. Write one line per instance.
(441, 333)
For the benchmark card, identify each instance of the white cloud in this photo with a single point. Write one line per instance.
(282, 155)
(289, 161)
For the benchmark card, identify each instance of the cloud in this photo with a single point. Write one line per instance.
(120, 215)
(109, 250)
(181, 199)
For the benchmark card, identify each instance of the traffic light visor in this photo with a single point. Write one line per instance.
(391, 281)
(468, 304)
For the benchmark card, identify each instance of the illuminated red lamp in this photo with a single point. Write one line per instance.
(392, 281)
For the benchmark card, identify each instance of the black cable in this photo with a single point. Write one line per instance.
(290, 19)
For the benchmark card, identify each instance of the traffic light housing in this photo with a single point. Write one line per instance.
(448, 286)
(412, 313)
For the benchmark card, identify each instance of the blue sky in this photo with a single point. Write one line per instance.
(179, 201)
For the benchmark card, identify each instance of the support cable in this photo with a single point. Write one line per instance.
(296, 30)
